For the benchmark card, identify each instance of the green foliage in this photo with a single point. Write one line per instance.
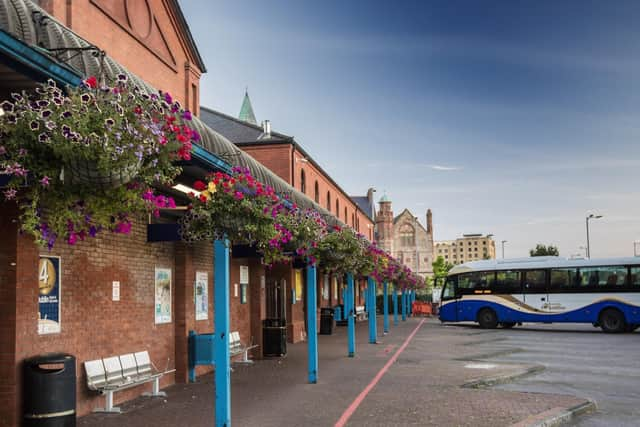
(83, 160)
(542, 250)
(441, 268)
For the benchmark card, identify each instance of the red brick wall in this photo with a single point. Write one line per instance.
(277, 157)
(144, 39)
(8, 270)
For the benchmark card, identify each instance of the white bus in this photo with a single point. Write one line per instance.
(506, 292)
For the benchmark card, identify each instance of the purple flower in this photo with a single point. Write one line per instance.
(122, 77)
(2, 150)
(11, 119)
(66, 114)
(85, 97)
(43, 103)
(34, 125)
(73, 238)
(93, 231)
(17, 97)
(10, 194)
(167, 98)
(186, 115)
(195, 135)
(7, 106)
(57, 101)
(43, 137)
(109, 122)
(45, 113)
(22, 152)
(44, 181)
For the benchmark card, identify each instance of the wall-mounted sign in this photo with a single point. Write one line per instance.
(244, 274)
(298, 286)
(335, 289)
(162, 295)
(115, 291)
(325, 287)
(49, 295)
(243, 293)
(201, 291)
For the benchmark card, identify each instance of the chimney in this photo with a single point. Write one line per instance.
(266, 128)
(429, 221)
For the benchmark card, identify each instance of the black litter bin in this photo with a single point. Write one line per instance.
(274, 338)
(49, 389)
(326, 321)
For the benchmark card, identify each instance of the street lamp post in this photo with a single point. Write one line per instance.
(590, 216)
(503, 242)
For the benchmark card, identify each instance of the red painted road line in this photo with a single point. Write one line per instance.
(354, 405)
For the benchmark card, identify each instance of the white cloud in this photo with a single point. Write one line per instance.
(444, 168)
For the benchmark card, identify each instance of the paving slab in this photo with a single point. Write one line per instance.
(438, 379)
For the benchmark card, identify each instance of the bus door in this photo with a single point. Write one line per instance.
(448, 310)
(535, 292)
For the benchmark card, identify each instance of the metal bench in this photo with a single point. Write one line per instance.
(112, 374)
(360, 312)
(236, 348)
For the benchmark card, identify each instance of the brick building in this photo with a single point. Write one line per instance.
(149, 41)
(405, 238)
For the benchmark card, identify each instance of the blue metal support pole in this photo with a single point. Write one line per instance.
(395, 305)
(349, 305)
(312, 322)
(404, 305)
(371, 293)
(385, 307)
(410, 303)
(221, 340)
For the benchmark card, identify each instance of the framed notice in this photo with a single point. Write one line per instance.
(163, 295)
(49, 295)
(325, 287)
(244, 274)
(298, 285)
(243, 293)
(201, 291)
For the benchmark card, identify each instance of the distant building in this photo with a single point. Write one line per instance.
(405, 238)
(469, 247)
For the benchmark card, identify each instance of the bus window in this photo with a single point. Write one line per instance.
(564, 278)
(604, 276)
(635, 276)
(508, 282)
(448, 290)
(476, 281)
(535, 281)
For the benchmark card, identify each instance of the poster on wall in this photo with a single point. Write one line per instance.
(163, 295)
(202, 295)
(49, 295)
(298, 289)
(325, 287)
(244, 274)
(335, 289)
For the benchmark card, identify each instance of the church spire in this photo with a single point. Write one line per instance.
(246, 111)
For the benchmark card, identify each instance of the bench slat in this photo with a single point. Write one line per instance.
(95, 374)
(143, 363)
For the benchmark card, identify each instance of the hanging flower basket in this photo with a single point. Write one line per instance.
(87, 172)
(91, 155)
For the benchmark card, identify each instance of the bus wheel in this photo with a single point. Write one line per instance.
(487, 319)
(508, 325)
(612, 321)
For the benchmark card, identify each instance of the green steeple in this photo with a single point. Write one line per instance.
(246, 111)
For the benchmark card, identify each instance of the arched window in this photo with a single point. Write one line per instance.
(338, 208)
(316, 196)
(303, 183)
(353, 220)
(328, 201)
(407, 235)
(346, 221)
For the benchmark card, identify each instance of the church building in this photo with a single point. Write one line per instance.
(405, 238)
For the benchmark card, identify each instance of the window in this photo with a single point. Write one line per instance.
(337, 208)
(316, 195)
(407, 236)
(303, 183)
(634, 278)
(345, 215)
(535, 281)
(508, 281)
(563, 278)
(328, 201)
(476, 281)
(603, 276)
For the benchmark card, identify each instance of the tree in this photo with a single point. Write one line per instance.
(542, 250)
(441, 268)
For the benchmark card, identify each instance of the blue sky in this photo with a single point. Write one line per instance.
(515, 118)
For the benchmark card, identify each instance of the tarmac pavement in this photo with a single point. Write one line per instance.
(436, 380)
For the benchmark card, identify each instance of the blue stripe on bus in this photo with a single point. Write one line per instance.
(586, 314)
